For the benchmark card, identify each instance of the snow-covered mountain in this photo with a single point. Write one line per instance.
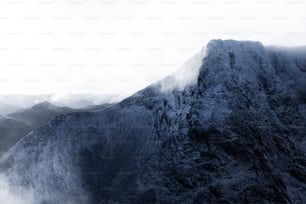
(234, 132)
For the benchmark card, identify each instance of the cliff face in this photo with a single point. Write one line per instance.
(237, 133)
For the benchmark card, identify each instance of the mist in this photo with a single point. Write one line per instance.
(119, 47)
(13, 103)
(186, 75)
(14, 194)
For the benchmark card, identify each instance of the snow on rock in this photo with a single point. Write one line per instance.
(234, 132)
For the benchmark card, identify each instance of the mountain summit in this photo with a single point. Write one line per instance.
(235, 133)
(40, 114)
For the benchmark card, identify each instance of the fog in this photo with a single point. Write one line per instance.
(186, 75)
(96, 47)
(13, 194)
(90, 52)
(13, 103)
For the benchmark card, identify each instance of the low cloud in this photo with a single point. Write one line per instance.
(82, 100)
(186, 75)
(13, 103)
(14, 195)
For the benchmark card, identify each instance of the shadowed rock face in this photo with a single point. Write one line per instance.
(236, 135)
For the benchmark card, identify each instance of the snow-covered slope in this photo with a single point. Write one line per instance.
(234, 134)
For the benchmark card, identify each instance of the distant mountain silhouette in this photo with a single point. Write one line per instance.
(16, 125)
(11, 130)
(40, 114)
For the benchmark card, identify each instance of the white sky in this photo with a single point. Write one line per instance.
(118, 47)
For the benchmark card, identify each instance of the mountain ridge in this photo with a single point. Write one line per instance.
(236, 134)
(40, 114)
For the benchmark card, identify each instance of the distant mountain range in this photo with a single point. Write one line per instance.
(40, 114)
(16, 103)
(11, 130)
(16, 125)
(228, 128)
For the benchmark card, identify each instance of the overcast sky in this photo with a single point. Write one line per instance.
(117, 47)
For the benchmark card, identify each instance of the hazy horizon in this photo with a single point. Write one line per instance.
(10, 103)
(115, 48)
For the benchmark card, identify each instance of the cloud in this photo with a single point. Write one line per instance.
(121, 46)
(82, 100)
(12, 103)
(14, 195)
(186, 75)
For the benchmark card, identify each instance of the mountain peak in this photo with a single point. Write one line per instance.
(218, 55)
(228, 51)
(233, 43)
(45, 105)
(228, 60)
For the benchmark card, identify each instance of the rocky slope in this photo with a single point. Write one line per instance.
(234, 134)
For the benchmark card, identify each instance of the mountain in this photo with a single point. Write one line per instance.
(11, 130)
(16, 125)
(230, 127)
(40, 114)
(14, 102)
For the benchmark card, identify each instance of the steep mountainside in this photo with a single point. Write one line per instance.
(235, 134)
